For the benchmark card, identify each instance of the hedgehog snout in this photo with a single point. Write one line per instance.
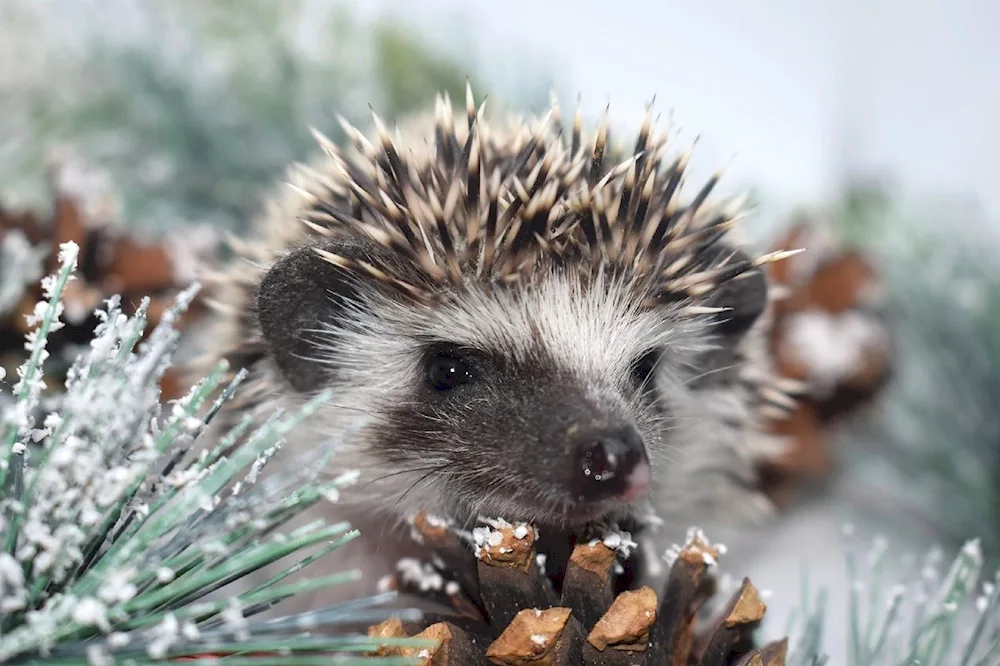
(609, 464)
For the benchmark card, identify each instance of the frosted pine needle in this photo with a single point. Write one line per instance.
(904, 618)
(20, 265)
(117, 539)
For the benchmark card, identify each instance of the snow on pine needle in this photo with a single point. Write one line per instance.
(908, 612)
(119, 531)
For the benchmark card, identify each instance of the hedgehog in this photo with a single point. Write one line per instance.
(514, 320)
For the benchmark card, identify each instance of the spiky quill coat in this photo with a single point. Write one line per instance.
(576, 264)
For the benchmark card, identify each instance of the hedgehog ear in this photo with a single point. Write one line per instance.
(745, 297)
(297, 295)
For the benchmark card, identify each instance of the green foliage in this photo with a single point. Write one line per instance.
(414, 72)
(904, 613)
(939, 431)
(121, 529)
(863, 212)
(195, 109)
(930, 450)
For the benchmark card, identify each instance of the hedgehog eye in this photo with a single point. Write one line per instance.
(446, 371)
(643, 369)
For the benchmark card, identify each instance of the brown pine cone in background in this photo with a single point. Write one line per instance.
(828, 331)
(112, 260)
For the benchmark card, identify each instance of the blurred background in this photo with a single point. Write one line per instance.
(867, 127)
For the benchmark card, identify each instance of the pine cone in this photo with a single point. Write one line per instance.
(829, 332)
(505, 610)
(113, 260)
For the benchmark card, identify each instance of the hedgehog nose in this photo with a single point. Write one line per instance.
(611, 464)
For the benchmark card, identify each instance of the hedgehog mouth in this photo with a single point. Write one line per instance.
(583, 514)
(571, 514)
(606, 497)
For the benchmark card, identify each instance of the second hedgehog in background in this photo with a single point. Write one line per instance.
(515, 322)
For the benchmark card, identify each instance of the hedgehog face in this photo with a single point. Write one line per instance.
(527, 437)
(561, 403)
(529, 327)
(540, 404)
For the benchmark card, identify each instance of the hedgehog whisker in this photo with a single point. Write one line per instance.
(351, 408)
(423, 478)
(409, 470)
(434, 470)
(723, 368)
(496, 497)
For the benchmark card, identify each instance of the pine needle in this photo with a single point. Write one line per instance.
(119, 539)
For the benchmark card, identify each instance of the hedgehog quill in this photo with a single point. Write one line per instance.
(526, 323)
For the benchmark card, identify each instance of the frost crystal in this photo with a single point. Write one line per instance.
(698, 544)
(164, 635)
(486, 536)
(98, 655)
(619, 541)
(421, 574)
(91, 612)
(20, 265)
(234, 620)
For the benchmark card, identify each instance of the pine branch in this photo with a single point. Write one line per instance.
(119, 540)
(902, 615)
